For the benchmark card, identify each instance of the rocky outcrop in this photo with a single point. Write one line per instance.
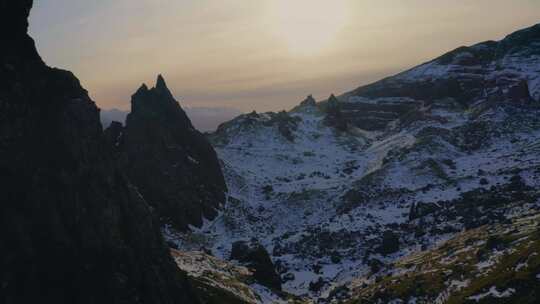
(389, 244)
(308, 102)
(173, 165)
(334, 115)
(72, 228)
(254, 255)
(283, 122)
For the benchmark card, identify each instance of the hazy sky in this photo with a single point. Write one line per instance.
(258, 54)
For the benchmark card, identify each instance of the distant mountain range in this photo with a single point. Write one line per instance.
(205, 119)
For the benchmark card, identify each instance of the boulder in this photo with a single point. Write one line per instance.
(254, 255)
(389, 244)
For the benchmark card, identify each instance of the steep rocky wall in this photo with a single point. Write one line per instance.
(72, 228)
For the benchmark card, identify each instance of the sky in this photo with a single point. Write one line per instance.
(258, 54)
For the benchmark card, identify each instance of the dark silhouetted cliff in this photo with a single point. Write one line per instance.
(72, 228)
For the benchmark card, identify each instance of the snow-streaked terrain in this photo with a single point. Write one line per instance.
(427, 155)
(291, 195)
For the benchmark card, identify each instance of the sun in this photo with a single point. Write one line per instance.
(308, 26)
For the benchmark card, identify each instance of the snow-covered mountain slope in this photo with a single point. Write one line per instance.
(487, 72)
(337, 189)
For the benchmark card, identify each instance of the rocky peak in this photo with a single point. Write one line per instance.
(158, 103)
(143, 89)
(333, 102)
(161, 85)
(177, 169)
(308, 102)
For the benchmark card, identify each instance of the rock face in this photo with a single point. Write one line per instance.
(72, 228)
(390, 243)
(285, 124)
(254, 255)
(173, 165)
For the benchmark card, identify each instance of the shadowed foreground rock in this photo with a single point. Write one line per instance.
(72, 228)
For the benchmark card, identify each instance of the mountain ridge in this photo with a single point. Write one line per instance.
(337, 192)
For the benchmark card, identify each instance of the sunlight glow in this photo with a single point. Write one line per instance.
(308, 26)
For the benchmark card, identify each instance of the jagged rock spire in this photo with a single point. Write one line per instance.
(161, 88)
(177, 169)
(160, 83)
(142, 89)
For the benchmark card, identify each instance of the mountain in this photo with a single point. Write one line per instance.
(203, 118)
(423, 187)
(73, 229)
(173, 165)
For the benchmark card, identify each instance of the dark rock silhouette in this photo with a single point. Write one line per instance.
(173, 165)
(390, 243)
(254, 255)
(72, 228)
